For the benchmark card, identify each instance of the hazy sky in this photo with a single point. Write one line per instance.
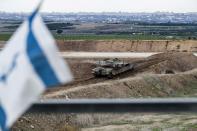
(100, 5)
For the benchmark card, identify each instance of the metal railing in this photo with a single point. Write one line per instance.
(116, 105)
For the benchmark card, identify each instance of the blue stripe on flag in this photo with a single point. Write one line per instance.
(38, 59)
(2, 119)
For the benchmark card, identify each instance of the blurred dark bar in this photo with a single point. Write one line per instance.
(115, 105)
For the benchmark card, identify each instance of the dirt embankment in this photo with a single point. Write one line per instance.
(157, 64)
(147, 80)
(184, 84)
(128, 46)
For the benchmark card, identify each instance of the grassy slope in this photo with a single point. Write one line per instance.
(108, 37)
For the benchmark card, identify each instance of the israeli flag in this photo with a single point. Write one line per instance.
(28, 65)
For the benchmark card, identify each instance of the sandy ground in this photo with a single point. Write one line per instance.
(150, 71)
(105, 55)
(107, 122)
(97, 55)
(160, 85)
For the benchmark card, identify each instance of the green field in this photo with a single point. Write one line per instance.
(108, 37)
(5, 37)
(117, 37)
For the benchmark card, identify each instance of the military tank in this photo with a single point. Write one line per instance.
(111, 67)
(114, 63)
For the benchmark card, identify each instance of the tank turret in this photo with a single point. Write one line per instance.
(111, 67)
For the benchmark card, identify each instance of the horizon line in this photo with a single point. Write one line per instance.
(99, 12)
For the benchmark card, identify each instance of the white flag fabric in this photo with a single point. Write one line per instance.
(28, 65)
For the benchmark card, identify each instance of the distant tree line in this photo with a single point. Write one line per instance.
(58, 26)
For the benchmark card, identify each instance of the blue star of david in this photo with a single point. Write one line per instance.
(4, 76)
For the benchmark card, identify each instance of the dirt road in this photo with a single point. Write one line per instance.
(109, 54)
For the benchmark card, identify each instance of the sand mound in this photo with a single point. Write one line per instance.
(163, 85)
(179, 62)
(148, 80)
